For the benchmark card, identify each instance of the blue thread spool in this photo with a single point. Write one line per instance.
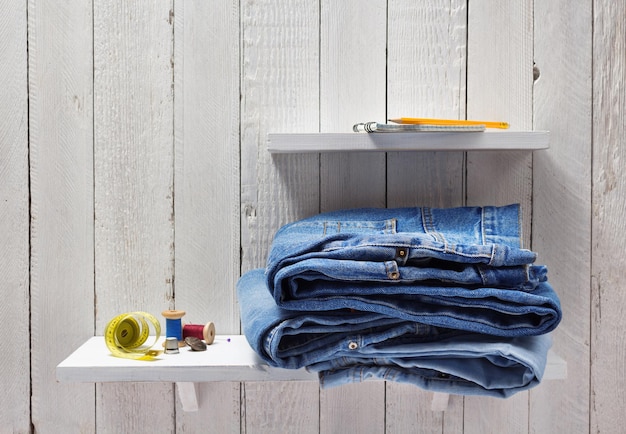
(173, 324)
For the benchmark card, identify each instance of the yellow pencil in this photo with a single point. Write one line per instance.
(427, 121)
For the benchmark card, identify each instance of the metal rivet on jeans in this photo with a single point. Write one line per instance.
(353, 345)
(394, 275)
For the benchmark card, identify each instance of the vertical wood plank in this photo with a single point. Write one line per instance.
(352, 90)
(206, 179)
(280, 91)
(426, 77)
(499, 86)
(61, 176)
(561, 231)
(207, 162)
(133, 112)
(409, 410)
(608, 369)
(353, 408)
(282, 411)
(14, 216)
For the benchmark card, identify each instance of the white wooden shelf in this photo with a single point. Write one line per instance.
(490, 140)
(223, 360)
(229, 358)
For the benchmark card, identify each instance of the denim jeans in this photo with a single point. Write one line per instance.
(461, 268)
(348, 346)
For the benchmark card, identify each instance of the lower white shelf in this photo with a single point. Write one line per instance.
(229, 358)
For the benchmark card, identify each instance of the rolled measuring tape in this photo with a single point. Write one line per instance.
(126, 336)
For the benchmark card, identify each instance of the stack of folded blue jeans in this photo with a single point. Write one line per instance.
(442, 298)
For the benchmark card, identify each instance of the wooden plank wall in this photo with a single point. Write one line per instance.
(562, 214)
(134, 176)
(206, 183)
(14, 213)
(61, 126)
(608, 261)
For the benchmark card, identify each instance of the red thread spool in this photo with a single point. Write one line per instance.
(205, 332)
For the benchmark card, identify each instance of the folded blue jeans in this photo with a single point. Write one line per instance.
(347, 346)
(460, 268)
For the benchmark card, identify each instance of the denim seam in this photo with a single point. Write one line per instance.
(445, 249)
(429, 226)
(527, 271)
(389, 226)
(492, 259)
(482, 274)
(482, 226)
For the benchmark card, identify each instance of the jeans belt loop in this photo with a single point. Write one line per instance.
(391, 267)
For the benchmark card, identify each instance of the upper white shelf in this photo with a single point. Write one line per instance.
(491, 140)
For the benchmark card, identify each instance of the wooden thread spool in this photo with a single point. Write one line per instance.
(173, 325)
(205, 332)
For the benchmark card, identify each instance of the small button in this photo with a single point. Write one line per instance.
(353, 345)
(394, 275)
(401, 252)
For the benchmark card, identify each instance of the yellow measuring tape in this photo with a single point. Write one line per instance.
(126, 336)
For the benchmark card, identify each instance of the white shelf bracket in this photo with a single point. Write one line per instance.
(188, 395)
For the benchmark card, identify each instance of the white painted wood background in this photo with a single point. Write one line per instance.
(133, 176)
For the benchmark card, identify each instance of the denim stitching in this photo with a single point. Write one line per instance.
(482, 226)
(480, 271)
(429, 226)
(388, 226)
(417, 248)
